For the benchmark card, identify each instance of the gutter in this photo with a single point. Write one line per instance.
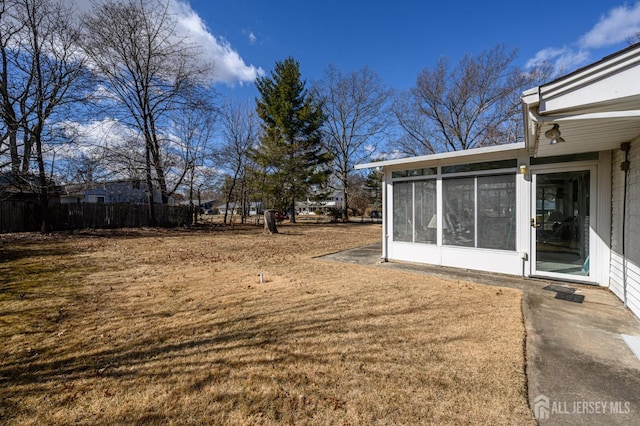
(624, 166)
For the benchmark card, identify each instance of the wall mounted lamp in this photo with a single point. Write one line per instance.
(523, 169)
(554, 134)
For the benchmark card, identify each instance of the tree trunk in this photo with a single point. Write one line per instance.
(345, 204)
(152, 212)
(193, 216)
(243, 195)
(229, 195)
(13, 149)
(154, 145)
(44, 188)
(270, 222)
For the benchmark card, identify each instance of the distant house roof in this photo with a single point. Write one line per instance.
(116, 191)
(24, 185)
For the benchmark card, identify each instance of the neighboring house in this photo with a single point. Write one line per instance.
(206, 207)
(131, 191)
(25, 187)
(331, 201)
(254, 207)
(562, 205)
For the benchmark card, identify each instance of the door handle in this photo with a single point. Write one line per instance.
(533, 223)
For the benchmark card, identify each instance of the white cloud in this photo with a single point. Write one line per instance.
(563, 58)
(228, 66)
(615, 27)
(95, 135)
(391, 155)
(252, 38)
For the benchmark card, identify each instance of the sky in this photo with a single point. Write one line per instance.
(397, 39)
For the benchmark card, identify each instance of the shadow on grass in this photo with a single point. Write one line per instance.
(286, 351)
(283, 341)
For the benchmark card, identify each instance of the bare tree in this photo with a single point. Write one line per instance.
(240, 130)
(11, 27)
(194, 126)
(358, 196)
(40, 66)
(355, 118)
(147, 71)
(474, 104)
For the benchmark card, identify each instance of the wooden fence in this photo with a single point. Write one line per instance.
(25, 216)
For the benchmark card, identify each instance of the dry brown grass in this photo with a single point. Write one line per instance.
(173, 327)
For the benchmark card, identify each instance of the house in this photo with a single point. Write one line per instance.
(320, 199)
(562, 204)
(26, 187)
(253, 208)
(127, 191)
(320, 203)
(206, 207)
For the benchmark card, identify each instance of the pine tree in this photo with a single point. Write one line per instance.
(290, 149)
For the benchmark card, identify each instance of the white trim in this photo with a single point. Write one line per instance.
(602, 234)
(596, 264)
(593, 73)
(560, 118)
(458, 155)
(386, 215)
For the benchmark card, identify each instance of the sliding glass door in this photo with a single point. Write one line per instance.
(561, 224)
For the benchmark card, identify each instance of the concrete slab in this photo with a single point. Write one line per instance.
(580, 371)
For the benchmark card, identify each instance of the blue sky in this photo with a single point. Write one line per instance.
(244, 38)
(398, 39)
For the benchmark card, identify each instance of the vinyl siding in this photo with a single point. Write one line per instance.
(632, 240)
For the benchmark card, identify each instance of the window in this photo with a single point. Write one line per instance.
(477, 167)
(478, 205)
(496, 212)
(403, 211)
(425, 211)
(414, 211)
(494, 222)
(458, 221)
(414, 172)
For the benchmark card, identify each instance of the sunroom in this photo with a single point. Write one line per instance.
(475, 209)
(562, 204)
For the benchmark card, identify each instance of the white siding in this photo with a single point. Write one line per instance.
(632, 239)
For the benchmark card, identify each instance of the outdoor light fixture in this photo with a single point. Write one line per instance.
(554, 134)
(523, 169)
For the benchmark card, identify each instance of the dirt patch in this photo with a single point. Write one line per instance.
(174, 326)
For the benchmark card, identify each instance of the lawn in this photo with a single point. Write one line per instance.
(174, 327)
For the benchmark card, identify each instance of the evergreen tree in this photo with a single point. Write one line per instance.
(290, 149)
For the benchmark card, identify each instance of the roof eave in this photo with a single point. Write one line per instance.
(448, 157)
